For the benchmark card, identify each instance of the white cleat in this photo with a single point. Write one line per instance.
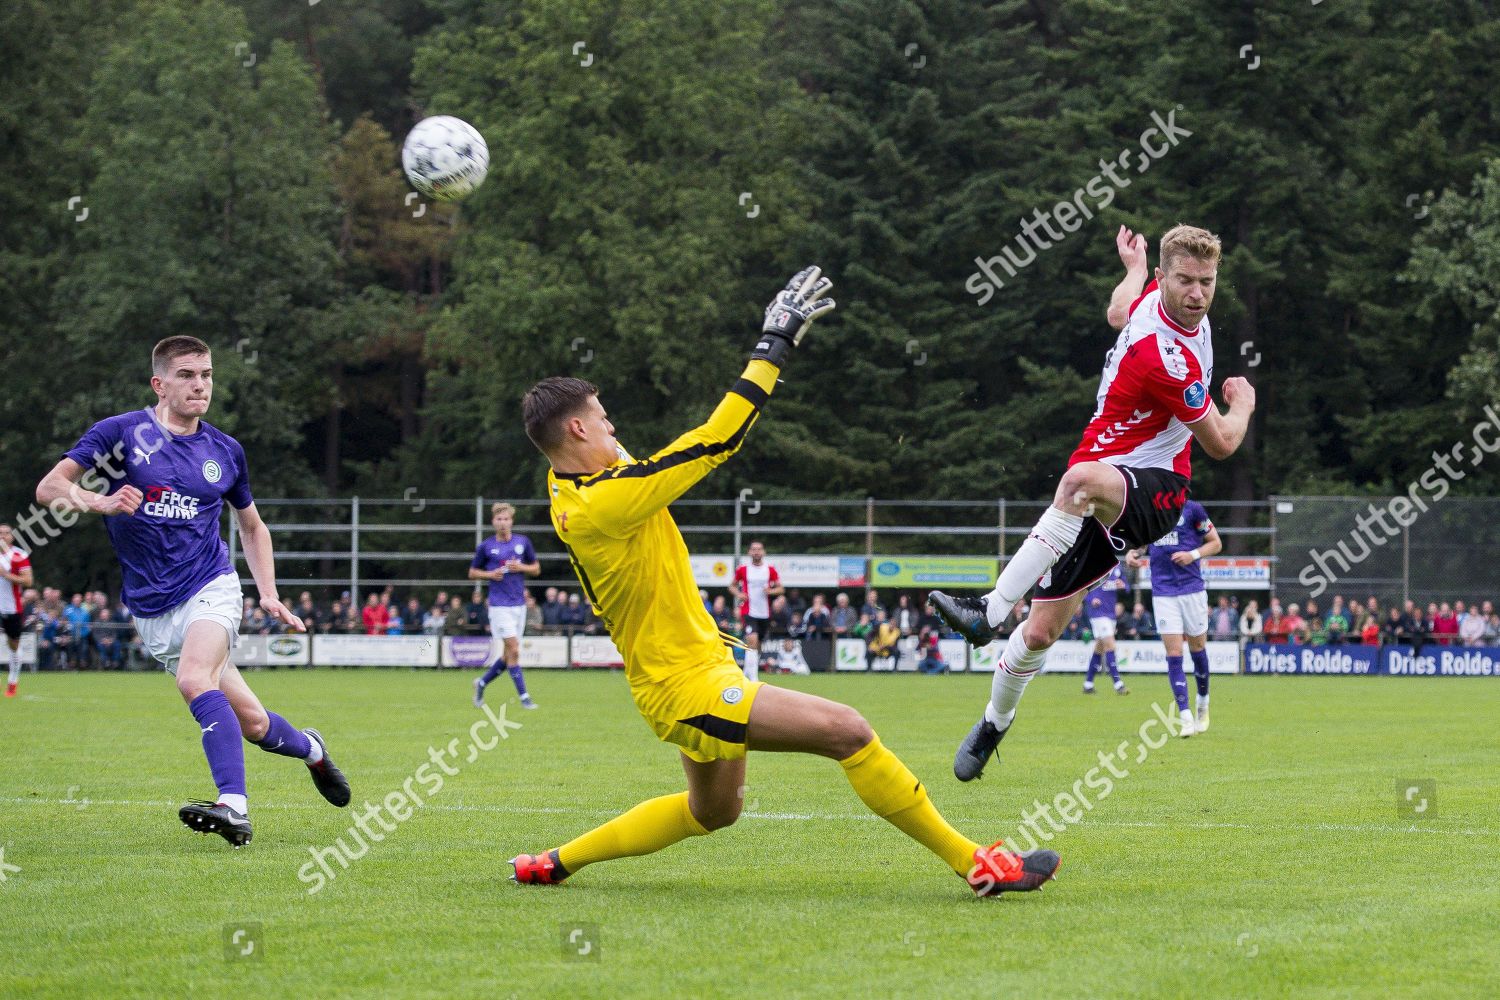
(479, 692)
(526, 702)
(1202, 721)
(1188, 729)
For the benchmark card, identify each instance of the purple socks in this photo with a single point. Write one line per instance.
(285, 739)
(1114, 669)
(221, 741)
(1093, 669)
(1200, 671)
(1179, 682)
(515, 675)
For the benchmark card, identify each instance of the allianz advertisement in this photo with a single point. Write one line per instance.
(1383, 661)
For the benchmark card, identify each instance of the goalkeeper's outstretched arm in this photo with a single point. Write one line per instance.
(624, 495)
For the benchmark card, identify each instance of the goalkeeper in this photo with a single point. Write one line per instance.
(610, 511)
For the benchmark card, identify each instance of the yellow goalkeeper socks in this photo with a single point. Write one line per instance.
(893, 793)
(650, 826)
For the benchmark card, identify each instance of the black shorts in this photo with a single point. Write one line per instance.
(1153, 503)
(12, 626)
(760, 627)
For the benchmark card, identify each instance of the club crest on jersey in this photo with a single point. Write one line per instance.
(1194, 395)
(732, 696)
(212, 472)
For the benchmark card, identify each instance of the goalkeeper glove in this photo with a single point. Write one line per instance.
(791, 313)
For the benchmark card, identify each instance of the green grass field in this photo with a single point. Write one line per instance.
(1264, 858)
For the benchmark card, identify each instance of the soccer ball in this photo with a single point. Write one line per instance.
(445, 158)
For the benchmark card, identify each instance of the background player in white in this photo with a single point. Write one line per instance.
(1179, 600)
(166, 473)
(505, 561)
(15, 568)
(1125, 483)
(754, 584)
(1100, 608)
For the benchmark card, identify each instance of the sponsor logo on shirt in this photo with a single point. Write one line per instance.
(1194, 395)
(167, 503)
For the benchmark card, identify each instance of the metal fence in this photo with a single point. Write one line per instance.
(1395, 548)
(360, 544)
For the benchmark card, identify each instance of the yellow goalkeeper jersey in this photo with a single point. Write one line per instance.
(629, 554)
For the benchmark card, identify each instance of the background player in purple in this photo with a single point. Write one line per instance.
(1179, 600)
(1099, 605)
(160, 477)
(505, 561)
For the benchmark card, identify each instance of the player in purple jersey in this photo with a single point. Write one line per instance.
(1179, 599)
(160, 477)
(1099, 605)
(505, 561)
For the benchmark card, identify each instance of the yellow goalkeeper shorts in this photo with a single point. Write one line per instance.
(705, 714)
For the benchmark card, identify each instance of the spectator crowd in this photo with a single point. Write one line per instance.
(89, 631)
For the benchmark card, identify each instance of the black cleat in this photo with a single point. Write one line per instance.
(977, 749)
(965, 615)
(210, 817)
(998, 870)
(326, 776)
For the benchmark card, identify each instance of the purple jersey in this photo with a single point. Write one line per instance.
(510, 589)
(1100, 602)
(171, 547)
(1167, 578)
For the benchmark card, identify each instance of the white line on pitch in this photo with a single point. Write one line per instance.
(833, 817)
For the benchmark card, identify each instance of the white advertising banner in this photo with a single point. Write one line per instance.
(794, 571)
(375, 650)
(1226, 573)
(272, 651)
(849, 654)
(28, 648)
(955, 653)
(1140, 656)
(544, 651)
(596, 651)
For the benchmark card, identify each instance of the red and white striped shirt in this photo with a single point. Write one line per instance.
(752, 581)
(14, 562)
(1155, 383)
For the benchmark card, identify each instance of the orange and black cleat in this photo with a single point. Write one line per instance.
(997, 870)
(539, 869)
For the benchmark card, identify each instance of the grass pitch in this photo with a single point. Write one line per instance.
(1268, 857)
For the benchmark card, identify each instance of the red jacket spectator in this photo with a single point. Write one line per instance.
(377, 617)
(1445, 626)
(1371, 633)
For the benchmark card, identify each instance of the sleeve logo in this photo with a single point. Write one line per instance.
(1195, 395)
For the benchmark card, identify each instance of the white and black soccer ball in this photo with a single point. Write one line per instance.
(445, 158)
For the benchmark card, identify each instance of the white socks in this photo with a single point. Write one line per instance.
(752, 665)
(15, 665)
(238, 803)
(1202, 702)
(315, 753)
(1055, 532)
(1018, 665)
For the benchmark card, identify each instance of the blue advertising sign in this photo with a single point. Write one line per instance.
(1382, 661)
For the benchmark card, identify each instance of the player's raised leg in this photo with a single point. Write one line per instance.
(274, 734)
(204, 655)
(1088, 489)
(1025, 653)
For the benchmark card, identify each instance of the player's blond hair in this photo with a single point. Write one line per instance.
(496, 509)
(1189, 241)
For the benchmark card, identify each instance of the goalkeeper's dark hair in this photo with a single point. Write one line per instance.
(549, 403)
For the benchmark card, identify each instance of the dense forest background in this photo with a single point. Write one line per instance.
(231, 171)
